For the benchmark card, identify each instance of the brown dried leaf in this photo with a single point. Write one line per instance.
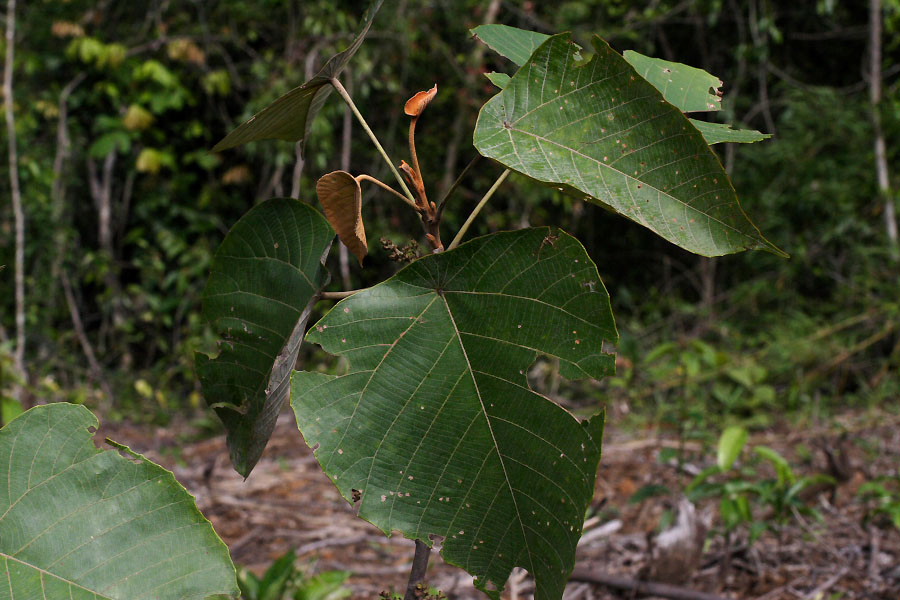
(415, 105)
(341, 196)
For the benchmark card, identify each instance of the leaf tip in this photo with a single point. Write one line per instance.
(221, 145)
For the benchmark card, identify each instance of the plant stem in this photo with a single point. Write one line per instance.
(412, 147)
(362, 121)
(339, 295)
(417, 572)
(452, 188)
(388, 188)
(484, 200)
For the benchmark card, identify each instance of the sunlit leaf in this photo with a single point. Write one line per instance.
(596, 127)
(82, 524)
(341, 197)
(265, 278)
(434, 429)
(290, 116)
(731, 443)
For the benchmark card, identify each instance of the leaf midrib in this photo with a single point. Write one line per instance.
(490, 427)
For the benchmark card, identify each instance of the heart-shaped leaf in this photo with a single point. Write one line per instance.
(434, 429)
(265, 278)
(688, 88)
(290, 116)
(341, 197)
(599, 128)
(82, 524)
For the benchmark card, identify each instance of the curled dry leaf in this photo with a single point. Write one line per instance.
(341, 196)
(415, 105)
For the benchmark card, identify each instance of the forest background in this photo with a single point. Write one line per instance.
(116, 105)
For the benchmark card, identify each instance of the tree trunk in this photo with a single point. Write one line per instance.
(101, 185)
(16, 192)
(881, 164)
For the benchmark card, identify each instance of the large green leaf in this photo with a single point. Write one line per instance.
(434, 429)
(290, 116)
(599, 128)
(688, 88)
(82, 524)
(265, 278)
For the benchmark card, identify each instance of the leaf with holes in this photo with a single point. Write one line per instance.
(434, 429)
(692, 90)
(264, 281)
(83, 524)
(290, 116)
(689, 88)
(341, 197)
(599, 128)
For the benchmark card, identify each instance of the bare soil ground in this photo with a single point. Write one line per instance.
(288, 502)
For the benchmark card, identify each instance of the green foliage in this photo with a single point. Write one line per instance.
(688, 88)
(811, 189)
(438, 353)
(515, 44)
(741, 489)
(151, 110)
(882, 500)
(264, 282)
(547, 125)
(731, 443)
(423, 591)
(284, 581)
(10, 407)
(81, 523)
(290, 117)
(433, 429)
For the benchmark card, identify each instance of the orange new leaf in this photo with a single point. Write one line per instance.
(341, 197)
(415, 105)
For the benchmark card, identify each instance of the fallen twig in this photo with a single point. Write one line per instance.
(238, 545)
(332, 542)
(874, 549)
(665, 590)
(819, 592)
